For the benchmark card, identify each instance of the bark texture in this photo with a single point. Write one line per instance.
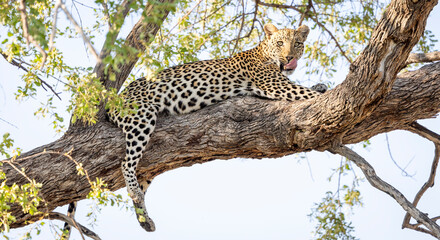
(370, 101)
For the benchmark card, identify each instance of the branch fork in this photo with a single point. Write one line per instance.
(432, 227)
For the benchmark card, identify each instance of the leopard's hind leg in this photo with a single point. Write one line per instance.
(137, 135)
(141, 211)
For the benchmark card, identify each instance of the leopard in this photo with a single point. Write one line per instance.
(261, 71)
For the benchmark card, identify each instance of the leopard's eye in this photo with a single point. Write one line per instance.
(280, 43)
(299, 44)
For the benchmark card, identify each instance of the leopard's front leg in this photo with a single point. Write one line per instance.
(280, 87)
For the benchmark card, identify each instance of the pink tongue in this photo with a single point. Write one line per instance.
(291, 65)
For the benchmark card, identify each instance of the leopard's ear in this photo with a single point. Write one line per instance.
(303, 31)
(269, 29)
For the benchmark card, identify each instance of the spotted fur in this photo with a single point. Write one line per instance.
(181, 89)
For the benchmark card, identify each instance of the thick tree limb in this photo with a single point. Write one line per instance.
(241, 127)
(370, 78)
(383, 186)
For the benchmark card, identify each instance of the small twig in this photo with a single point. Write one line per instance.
(181, 19)
(404, 172)
(248, 34)
(213, 33)
(375, 181)
(83, 230)
(32, 156)
(428, 184)
(22, 62)
(54, 24)
(80, 31)
(339, 180)
(310, 169)
(114, 29)
(67, 154)
(80, 24)
(26, 35)
(11, 163)
(193, 24)
(7, 122)
(106, 14)
(309, 5)
(329, 33)
(43, 83)
(84, 5)
(423, 57)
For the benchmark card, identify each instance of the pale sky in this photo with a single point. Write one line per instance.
(245, 198)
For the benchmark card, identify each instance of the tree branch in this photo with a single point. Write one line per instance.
(246, 127)
(114, 28)
(423, 57)
(305, 13)
(43, 83)
(140, 36)
(422, 131)
(80, 31)
(429, 183)
(106, 14)
(435, 138)
(54, 24)
(24, 20)
(83, 230)
(378, 183)
(26, 34)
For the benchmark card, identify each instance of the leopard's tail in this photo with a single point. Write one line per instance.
(71, 214)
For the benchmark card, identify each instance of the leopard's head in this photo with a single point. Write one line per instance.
(284, 46)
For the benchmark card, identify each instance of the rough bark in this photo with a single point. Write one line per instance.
(241, 127)
(370, 101)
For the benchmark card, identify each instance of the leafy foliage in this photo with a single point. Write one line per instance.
(330, 213)
(331, 220)
(25, 195)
